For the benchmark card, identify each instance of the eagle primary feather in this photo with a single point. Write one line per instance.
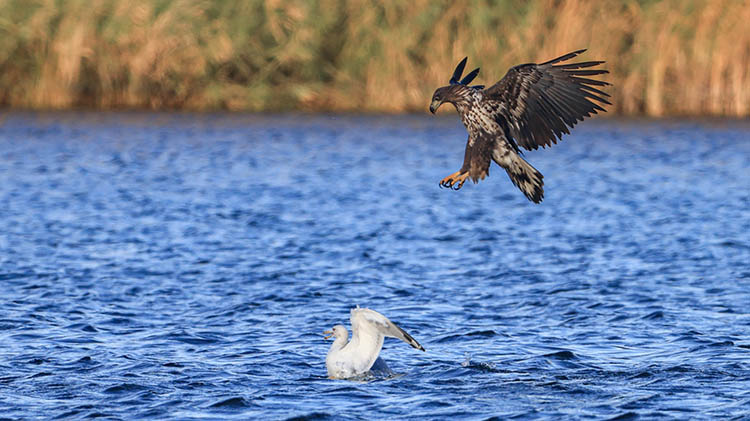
(532, 105)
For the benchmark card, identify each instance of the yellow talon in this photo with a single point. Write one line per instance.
(454, 181)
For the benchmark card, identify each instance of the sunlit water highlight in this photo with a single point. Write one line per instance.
(184, 267)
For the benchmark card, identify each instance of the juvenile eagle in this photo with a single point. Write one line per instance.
(532, 106)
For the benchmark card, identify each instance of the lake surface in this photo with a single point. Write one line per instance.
(181, 266)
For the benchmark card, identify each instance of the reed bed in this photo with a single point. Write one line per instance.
(670, 57)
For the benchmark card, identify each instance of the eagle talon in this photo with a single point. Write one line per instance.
(454, 181)
(450, 180)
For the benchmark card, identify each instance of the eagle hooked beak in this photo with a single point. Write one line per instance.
(434, 105)
(328, 334)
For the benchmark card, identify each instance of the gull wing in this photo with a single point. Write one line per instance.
(366, 319)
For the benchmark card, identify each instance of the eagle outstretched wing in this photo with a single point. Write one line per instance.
(537, 103)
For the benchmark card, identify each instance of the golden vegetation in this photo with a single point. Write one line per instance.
(665, 57)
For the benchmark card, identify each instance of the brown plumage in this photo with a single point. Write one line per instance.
(533, 105)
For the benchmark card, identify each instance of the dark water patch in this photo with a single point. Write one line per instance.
(562, 355)
(314, 416)
(482, 367)
(124, 388)
(460, 336)
(232, 403)
(627, 416)
(82, 327)
(643, 375)
(193, 339)
(656, 315)
(618, 318)
(12, 276)
(722, 344)
(735, 244)
(41, 374)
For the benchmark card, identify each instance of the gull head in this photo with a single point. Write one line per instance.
(338, 331)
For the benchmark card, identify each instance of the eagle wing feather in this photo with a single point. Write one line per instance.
(539, 102)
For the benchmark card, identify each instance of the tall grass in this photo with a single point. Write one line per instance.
(665, 57)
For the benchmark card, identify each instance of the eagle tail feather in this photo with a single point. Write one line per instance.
(527, 178)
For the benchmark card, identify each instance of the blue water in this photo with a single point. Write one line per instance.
(179, 266)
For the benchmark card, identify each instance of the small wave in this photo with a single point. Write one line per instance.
(40, 374)
(235, 402)
(679, 369)
(642, 375)
(562, 355)
(124, 388)
(10, 276)
(192, 339)
(656, 315)
(734, 244)
(625, 417)
(85, 327)
(311, 417)
(481, 333)
(722, 343)
(476, 333)
(481, 366)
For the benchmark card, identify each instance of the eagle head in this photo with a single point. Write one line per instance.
(453, 94)
(458, 91)
(440, 96)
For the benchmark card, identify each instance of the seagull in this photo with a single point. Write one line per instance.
(347, 359)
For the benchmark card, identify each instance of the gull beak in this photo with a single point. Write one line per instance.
(434, 105)
(328, 334)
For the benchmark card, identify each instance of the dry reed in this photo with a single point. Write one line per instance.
(666, 57)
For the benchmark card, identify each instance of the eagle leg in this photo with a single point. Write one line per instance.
(454, 181)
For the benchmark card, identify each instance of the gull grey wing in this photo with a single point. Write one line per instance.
(399, 333)
(365, 316)
(537, 103)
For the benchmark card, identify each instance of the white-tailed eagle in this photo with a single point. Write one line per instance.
(532, 106)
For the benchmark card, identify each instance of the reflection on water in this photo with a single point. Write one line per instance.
(184, 266)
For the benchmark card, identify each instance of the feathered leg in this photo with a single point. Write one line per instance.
(456, 180)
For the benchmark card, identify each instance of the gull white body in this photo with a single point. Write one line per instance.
(347, 359)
